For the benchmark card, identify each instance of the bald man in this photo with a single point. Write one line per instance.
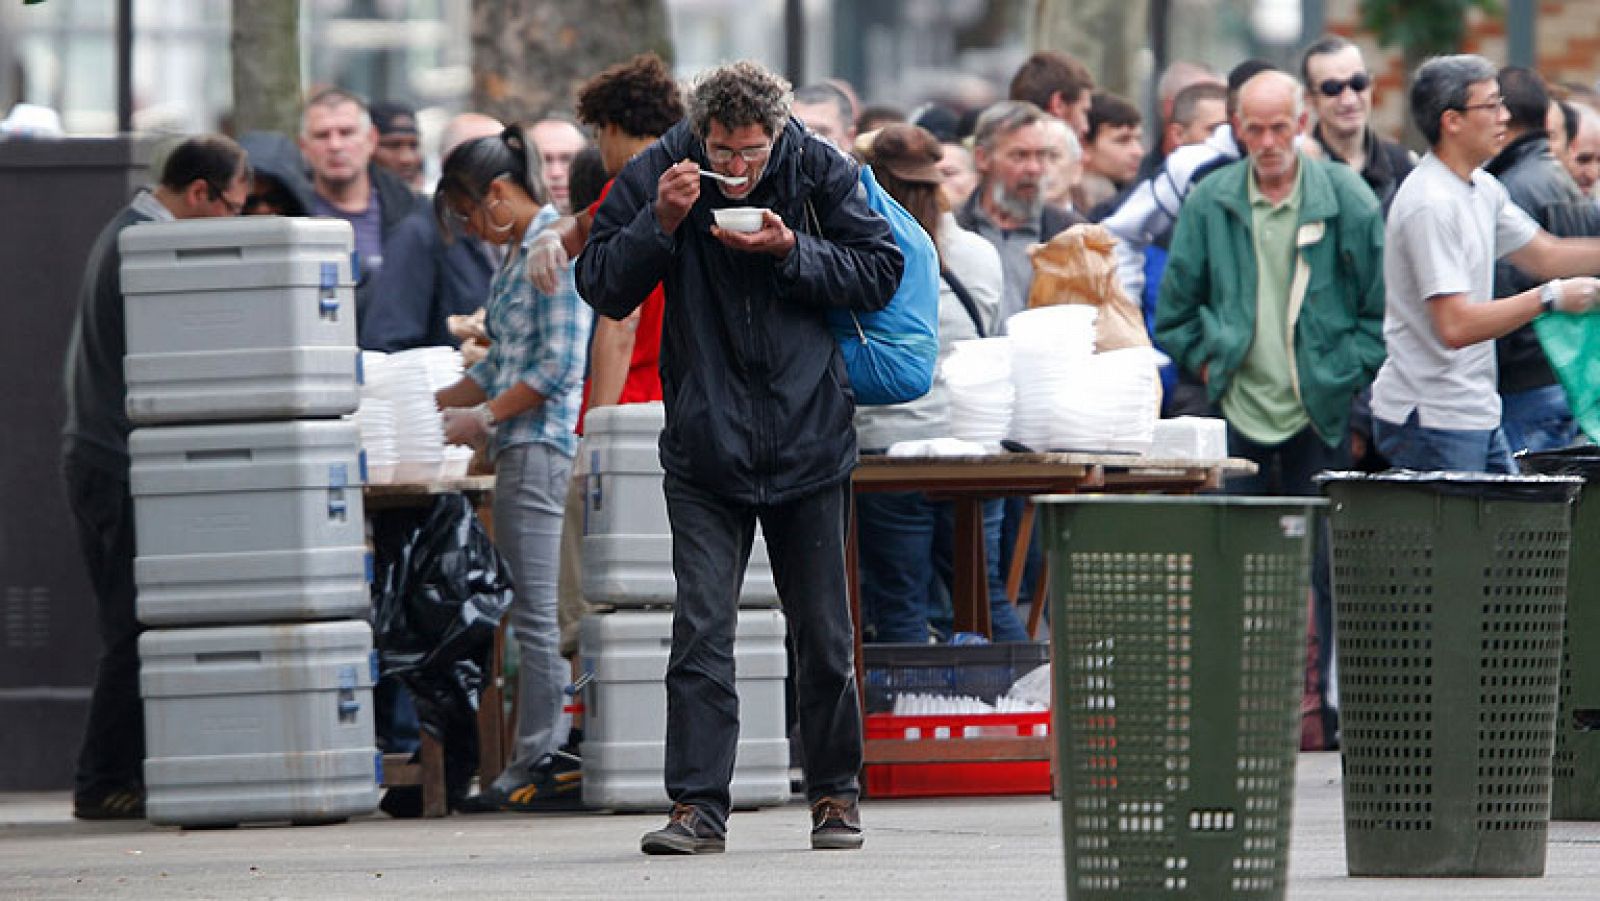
(1238, 309)
(558, 140)
(427, 278)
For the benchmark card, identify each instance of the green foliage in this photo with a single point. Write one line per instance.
(1422, 27)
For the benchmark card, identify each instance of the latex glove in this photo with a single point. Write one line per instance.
(470, 426)
(546, 260)
(468, 327)
(473, 350)
(1578, 295)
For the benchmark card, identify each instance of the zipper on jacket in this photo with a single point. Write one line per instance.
(760, 462)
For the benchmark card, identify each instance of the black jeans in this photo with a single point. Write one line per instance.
(711, 539)
(1287, 469)
(112, 756)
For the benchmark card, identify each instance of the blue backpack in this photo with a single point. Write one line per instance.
(890, 354)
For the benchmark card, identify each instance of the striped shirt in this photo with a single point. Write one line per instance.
(538, 339)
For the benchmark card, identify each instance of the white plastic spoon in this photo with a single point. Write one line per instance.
(732, 181)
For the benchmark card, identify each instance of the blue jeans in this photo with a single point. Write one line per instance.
(1411, 446)
(907, 549)
(1538, 419)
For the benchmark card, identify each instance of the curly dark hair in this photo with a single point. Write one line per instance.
(639, 96)
(739, 94)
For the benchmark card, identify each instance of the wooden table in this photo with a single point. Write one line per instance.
(968, 482)
(494, 738)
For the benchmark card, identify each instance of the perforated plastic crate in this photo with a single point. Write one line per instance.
(1449, 594)
(1180, 646)
(983, 671)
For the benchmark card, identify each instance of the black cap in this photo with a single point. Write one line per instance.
(394, 119)
(1245, 71)
(943, 121)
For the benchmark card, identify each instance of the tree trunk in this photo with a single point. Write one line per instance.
(266, 66)
(530, 56)
(1106, 35)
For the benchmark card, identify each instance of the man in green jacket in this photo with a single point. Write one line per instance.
(1273, 297)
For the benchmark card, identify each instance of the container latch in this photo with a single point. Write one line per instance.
(328, 298)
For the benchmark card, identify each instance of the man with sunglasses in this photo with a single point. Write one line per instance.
(1340, 93)
(204, 176)
(1434, 403)
(758, 419)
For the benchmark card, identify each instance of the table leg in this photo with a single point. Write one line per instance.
(1019, 554)
(970, 594)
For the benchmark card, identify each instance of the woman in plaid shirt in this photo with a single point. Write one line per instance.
(523, 401)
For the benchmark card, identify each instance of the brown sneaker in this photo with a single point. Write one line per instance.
(686, 832)
(835, 825)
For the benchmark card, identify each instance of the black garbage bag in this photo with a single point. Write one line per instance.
(439, 591)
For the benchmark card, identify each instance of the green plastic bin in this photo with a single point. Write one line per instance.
(1575, 777)
(1449, 592)
(1180, 654)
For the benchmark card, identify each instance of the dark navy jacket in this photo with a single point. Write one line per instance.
(423, 280)
(758, 403)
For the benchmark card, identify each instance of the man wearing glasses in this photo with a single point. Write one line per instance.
(1434, 402)
(1340, 92)
(758, 419)
(204, 176)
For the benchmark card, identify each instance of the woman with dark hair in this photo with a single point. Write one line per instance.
(907, 540)
(522, 400)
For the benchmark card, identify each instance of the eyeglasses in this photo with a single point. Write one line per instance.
(748, 154)
(233, 209)
(1494, 104)
(1333, 87)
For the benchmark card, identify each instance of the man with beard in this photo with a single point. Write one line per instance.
(1013, 150)
(1016, 153)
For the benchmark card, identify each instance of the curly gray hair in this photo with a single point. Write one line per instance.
(739, 94)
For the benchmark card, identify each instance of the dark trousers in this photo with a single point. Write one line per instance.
(711, 538)
(1287, 469)
(112, 756)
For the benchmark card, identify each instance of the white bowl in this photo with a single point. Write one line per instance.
(739, 218)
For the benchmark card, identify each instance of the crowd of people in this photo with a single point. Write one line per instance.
(1336, 298)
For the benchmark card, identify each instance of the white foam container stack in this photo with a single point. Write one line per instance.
(625, 719)
(249, 522)
(243, 318)
(627, 539)
(259, 723)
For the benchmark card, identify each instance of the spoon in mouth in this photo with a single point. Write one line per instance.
(732, 181)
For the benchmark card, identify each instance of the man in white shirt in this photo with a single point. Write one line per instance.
(1434, 402)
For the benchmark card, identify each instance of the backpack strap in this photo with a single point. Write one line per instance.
(965, 296)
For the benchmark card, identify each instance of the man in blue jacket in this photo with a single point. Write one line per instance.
(758, 419)
(1273, 298)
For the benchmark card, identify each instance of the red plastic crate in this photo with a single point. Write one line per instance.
(944, 779)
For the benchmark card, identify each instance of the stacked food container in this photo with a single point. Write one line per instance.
(251, 561)
(627, 568)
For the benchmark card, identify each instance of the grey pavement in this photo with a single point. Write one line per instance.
(1003, 848)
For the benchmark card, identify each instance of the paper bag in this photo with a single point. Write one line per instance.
(1078, 266)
